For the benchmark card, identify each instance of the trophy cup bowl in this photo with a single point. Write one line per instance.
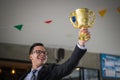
(82, 18)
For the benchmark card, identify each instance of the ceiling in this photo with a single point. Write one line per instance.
(59, 32)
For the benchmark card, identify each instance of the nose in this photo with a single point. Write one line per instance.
(42, 53)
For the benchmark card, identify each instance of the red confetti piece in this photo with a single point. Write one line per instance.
(48, 21)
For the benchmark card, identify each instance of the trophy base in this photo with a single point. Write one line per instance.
(83, 37)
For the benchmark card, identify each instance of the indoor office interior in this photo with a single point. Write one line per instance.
(23, 23)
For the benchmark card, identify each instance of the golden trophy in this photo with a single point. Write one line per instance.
(82, 18)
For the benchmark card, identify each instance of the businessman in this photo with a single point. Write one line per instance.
(38, 57)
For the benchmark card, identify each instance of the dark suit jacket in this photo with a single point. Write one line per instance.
(57, 72)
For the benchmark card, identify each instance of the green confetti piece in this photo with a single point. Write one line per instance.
(19, 27)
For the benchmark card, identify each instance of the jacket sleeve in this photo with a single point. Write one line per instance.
(68, 66)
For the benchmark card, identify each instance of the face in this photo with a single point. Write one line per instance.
(38, 56)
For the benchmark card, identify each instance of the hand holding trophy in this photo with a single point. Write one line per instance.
(82, 18)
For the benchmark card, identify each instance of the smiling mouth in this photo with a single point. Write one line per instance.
(42, 58)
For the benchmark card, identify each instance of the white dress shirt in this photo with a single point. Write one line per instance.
(28, 77)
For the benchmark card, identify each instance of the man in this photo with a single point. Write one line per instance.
(38, 57)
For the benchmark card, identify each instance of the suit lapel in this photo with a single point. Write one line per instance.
(42, 73)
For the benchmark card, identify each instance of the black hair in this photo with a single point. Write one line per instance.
(32, 47)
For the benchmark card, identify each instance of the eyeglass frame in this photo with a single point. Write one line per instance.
(40, 52)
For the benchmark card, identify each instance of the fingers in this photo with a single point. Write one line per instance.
(84, 34)
(87, 36)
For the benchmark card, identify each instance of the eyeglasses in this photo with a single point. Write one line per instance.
(40, 52)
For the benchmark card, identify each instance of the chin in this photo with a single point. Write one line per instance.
(42, 62)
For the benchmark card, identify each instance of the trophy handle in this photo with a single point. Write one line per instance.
(92, 18)
(73, 20)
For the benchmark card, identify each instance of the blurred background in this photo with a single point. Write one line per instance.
(24, 22)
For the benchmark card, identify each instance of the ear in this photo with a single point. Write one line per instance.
(30, 57)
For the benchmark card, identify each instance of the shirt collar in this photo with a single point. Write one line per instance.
(37, 68)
